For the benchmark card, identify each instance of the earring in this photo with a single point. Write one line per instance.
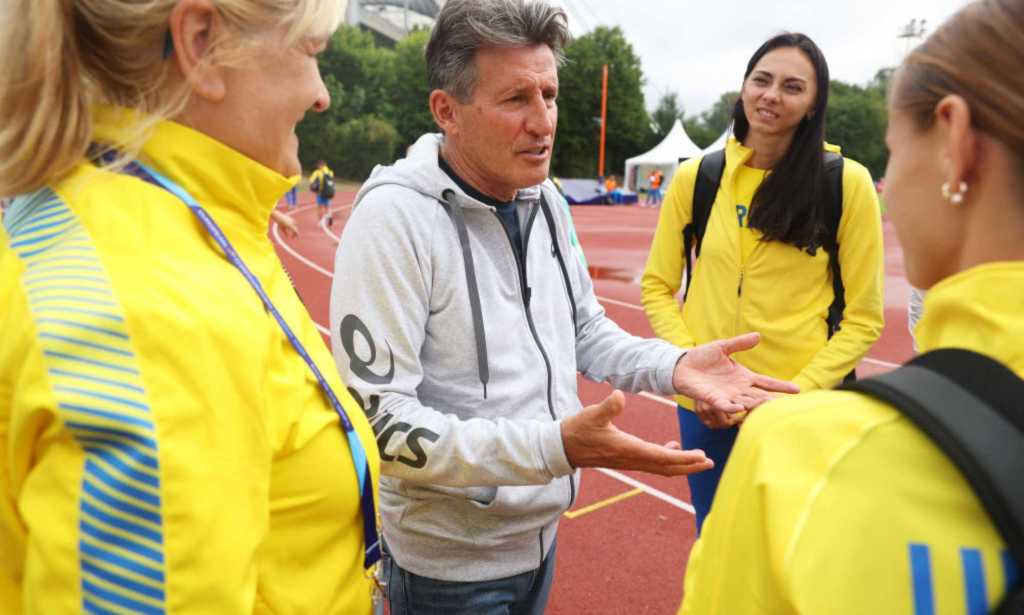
(957, 197)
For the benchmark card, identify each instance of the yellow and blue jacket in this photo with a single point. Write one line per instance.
(742, 283)
(316, 175)
(163, 449)
(834, 502)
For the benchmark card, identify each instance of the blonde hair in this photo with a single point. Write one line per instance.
(63, 57)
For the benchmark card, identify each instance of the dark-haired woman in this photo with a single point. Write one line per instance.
(764, 262)
(835, 502)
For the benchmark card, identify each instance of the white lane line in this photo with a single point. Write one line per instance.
(881, 362)
(657, 398)
(290, 250)
(649, 490)
(299, 257)
(323, 227)
(620, 303)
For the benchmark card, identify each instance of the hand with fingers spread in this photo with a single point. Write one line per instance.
(592, 441)
(708, 374)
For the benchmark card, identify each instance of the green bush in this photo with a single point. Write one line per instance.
(360, 144)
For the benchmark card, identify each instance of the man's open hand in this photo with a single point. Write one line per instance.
(592, 441)
(708, 374)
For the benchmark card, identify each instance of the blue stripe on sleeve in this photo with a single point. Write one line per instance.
(974, 582)
(73, 303)
(921, 578)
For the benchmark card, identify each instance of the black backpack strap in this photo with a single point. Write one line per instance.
(970, 406)
(833, 216)
(705, 188)
(557, 251)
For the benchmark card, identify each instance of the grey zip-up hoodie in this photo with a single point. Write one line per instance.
(466, 364)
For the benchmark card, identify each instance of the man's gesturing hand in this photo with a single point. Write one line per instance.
(592, 441)
(707, 373)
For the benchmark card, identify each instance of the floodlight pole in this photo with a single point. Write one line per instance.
(604, 118)
(911, 31)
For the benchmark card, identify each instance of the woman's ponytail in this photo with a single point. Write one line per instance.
(45, 97)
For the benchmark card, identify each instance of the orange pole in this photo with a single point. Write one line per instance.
(604, 118)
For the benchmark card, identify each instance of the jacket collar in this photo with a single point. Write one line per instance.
(228, 184)
(977, 309)
(737, 154)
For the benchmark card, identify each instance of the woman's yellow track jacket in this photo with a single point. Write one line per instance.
(777, 289)
(163, 449)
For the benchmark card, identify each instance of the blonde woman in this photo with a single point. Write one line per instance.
(174, 437)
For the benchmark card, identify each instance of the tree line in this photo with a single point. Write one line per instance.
(379, 107)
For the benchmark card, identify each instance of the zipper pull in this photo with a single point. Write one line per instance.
(739, 287)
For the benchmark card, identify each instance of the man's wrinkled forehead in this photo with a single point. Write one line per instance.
(506, 69)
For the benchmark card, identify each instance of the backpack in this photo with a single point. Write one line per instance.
(325, 185)
(970, 407)
(709, 177)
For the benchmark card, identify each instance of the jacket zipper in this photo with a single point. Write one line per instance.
(526, 293)
(739, 302)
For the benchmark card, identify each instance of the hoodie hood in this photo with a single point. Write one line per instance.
(419, 171)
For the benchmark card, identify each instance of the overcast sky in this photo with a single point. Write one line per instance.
(700, 49)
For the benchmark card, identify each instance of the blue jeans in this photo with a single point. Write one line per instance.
(716, 444)
(522, 594)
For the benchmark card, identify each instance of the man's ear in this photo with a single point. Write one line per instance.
(194, 26)
(445, 109)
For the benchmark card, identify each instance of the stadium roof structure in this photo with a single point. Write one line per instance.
(430, 8)
(392, 20)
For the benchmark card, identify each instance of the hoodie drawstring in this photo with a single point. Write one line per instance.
(455, 212)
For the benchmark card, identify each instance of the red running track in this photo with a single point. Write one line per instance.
(622, 550)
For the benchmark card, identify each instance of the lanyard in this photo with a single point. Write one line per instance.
(372, 540)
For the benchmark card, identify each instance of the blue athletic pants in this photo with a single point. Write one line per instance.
(716, 444)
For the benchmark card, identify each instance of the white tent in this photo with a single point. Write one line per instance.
(719, 142)
(674, 148)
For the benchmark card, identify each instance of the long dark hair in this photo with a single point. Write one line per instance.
(789, 204)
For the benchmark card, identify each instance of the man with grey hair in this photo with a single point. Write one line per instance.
(461, 314)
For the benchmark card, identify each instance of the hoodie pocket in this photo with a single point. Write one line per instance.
(481, 496)
(511, 501)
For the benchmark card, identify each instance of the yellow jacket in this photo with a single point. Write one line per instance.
(318, 173)
(742, 284)
(833, 502)
(162, 446)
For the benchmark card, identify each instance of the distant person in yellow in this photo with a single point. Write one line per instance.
(321, 182)
(833, 502)
(164, 448)
(766, 261)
